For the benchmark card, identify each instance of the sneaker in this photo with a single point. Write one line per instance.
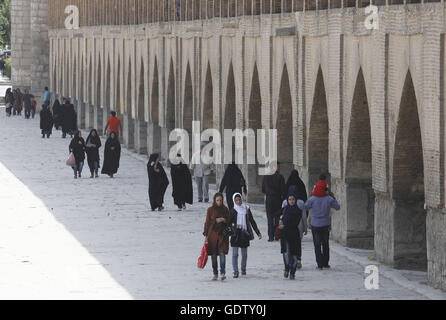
(292, 277)
(285, 274)
(299, 264)
(243, 272)
(223, 277)
(215, 277)
(235, 275)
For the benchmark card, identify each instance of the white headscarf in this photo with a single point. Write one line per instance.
(241, 212)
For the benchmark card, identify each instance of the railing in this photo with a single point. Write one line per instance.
(133, 12)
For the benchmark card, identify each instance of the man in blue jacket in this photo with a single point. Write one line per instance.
(320, 222)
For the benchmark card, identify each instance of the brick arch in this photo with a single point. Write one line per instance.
(408, 185)
(208, 101)
(188, 101)
(254, 122)
(358, 172)
(284, 125)
(318, 137)
(170, 99)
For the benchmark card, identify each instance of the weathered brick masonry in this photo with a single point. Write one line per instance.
(365, 105)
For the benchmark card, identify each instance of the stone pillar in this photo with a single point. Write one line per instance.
(384, 225)
(165, 144)
(81, 114)
(128, 128)
(98, 119)
(436, 249)
(141, 136)
(105, 116)
(153, 138)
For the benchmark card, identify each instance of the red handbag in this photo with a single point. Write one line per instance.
(203, 258)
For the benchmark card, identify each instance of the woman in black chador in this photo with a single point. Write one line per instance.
(233, 181)
(92, 145)
(69, 119)
(295, 180)
(57, 114)
(46, 121)
(77, 146)
(181, 184)
(112, 155)
(158, 182)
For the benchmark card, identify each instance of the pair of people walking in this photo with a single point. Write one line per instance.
(78, 146)
(241, 221)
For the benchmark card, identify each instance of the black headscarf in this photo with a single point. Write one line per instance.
(94, 140)
(295, 180)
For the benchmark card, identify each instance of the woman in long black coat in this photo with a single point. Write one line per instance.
(295, 180)
(57, 114)
(69, 119)
(77, 146)
(234, 182)
(182, 192)
(46, 121)
(158, 182)
(93, 143)
(112, 155)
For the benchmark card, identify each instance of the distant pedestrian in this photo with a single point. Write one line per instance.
(234, 182)
(114, 124)
(46, 121)
(2, 65)
(158, 182)
(291, 239)
(243, 223)
(9, 101)
(217, 219)
(47, 97)
(92, 145)
(295, 180)
(27, 102)
(201, 173)
(57, 114)
(77, 146)
(69, 119)
(112, 155)
(320, 206)
(18, 102)
(182, 191)
(273, 187)
(303, 230)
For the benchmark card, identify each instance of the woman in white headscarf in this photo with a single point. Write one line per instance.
(242, 222)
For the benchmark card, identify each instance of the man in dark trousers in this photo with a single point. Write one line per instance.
(273, 187)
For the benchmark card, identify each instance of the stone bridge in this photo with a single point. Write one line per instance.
(365, 105)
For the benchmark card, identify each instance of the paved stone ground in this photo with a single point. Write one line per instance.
(62, 238)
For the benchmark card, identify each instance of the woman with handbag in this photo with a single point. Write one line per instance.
(217, 219)
(77, 146)
(92, 146)
(291, 239)
(242, 222)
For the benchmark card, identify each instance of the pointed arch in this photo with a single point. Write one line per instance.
(208, 103)
(410, 250)
(188, 105)
(154, 112)
(358, 172)
(170, 105)
(284, 126)
(318, 133)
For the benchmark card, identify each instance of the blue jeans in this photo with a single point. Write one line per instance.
(222, 263)
(95, 168)
(321, 238)
(235, 258)
(289, 260)
(78, 168)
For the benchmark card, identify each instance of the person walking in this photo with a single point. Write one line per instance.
(9, 100)
(291, 239)
(33, 107)
(18, 100)
(273, 187)
(320, 204)
(217, 219)
(27, 101)
(242, 221)
(2, 65)
(233, 181)
(46, 121)
(112, 155)
(57, 114)
(158, 182)
(201, 173)
(114, 124)
(92, 145)
(69, 119)
(295, 180)
(77, 146)
(47, 97)
(182, 192)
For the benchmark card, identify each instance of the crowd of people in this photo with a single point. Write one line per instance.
(287, 203)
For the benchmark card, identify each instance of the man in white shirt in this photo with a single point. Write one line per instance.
(201, 173)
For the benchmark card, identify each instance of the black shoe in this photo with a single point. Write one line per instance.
(327, 266)
(200, 200)
(292, 277)
(206, 200)
(270, 240)
(319, 268)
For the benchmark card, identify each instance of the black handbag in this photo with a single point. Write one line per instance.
(228, 231)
